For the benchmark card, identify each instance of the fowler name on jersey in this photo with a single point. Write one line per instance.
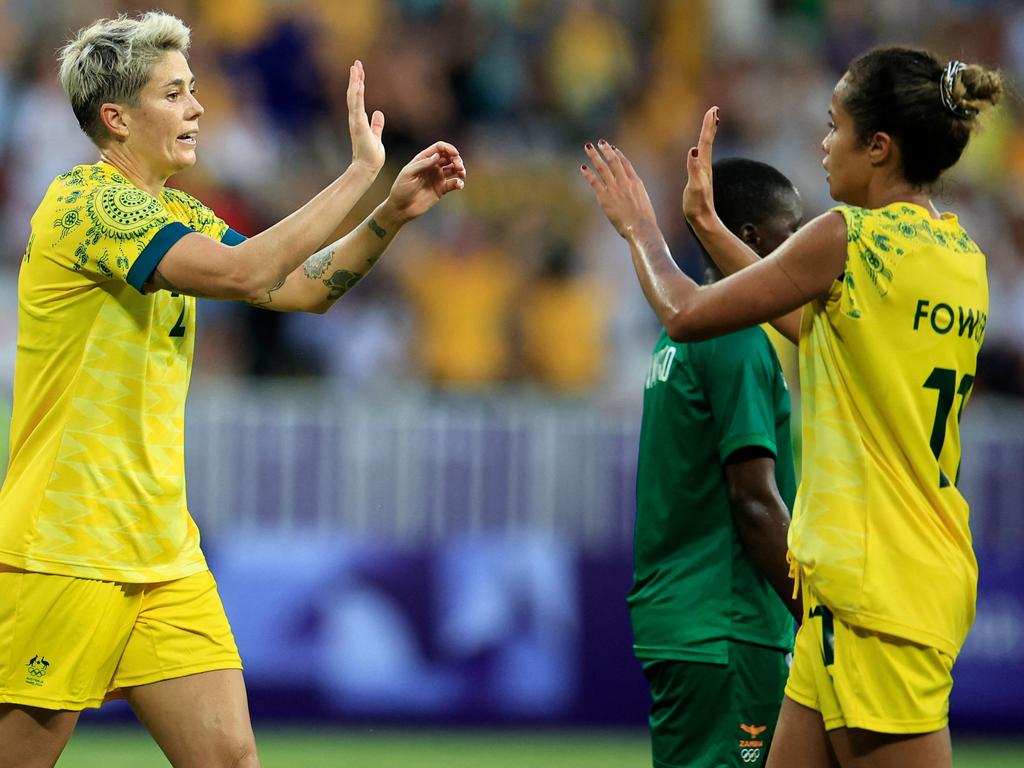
(941, 317)
(887, 364)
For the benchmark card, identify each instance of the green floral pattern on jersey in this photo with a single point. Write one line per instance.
(118, 213)
(123, 213)
(81, 258)
(108, 221)
(201, 218)
(881, 238)
(68, 223)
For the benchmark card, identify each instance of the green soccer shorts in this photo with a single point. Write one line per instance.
(713, 715)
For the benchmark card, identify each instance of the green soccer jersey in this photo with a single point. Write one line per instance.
(694, 587)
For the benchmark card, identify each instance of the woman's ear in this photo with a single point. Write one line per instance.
(880, 147)
(116, 120)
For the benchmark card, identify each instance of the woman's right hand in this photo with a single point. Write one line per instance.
(367, 147)
(698, 196)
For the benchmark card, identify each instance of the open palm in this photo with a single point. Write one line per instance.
(367, 147)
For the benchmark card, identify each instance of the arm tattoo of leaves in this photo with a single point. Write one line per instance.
(377, 229)
(268, 298)
(317, 264)
(340, 282)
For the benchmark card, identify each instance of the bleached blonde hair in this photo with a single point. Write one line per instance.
(112, 59)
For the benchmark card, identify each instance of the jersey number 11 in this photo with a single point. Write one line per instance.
(944, 380)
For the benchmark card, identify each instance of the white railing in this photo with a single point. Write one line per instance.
(415, 467)
(409, 468)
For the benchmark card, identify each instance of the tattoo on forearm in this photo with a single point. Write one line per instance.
(340, 282)
(343, 279)
(268, 298)
(317, 264)
(377, 229)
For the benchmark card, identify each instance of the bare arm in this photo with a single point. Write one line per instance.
(761, 519)
(802, 269)
(200, 266)
(331, 272)
(732, 255)
(729, 253)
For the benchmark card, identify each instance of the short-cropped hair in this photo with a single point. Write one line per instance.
(112, 59)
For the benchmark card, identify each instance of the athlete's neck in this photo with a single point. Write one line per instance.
(887, 191)
(117, 157)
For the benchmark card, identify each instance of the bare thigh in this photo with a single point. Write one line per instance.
(31, 737)
(199, 720)
(801, 740)
(858, 748)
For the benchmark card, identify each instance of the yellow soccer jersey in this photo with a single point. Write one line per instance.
(95, 486)
(887, 361)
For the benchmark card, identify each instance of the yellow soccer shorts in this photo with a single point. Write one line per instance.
(70, 643)
(858, 678)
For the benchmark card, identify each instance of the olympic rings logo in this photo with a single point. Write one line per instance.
(750, 755)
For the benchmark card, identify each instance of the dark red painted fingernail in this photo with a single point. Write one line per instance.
(716, 116)
(602, 142)
(693, 152)
(583, 167)
(588, 145)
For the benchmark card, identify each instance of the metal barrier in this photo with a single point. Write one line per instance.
(415, 467)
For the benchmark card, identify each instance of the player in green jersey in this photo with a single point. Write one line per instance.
(105, 589)
(714, 481)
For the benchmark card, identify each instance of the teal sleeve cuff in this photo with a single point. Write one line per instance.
(231, 237)
(151, 255)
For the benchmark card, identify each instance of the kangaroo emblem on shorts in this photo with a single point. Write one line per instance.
(38, 666)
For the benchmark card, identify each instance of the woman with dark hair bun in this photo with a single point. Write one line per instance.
(888, 300)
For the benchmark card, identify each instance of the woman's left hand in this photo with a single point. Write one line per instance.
(698, 196)
(432, 174)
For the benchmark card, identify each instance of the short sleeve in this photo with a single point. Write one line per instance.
(740, 379)
(154, 251)
(128, 232)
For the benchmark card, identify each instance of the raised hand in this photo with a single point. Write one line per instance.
(620, 191)
(428, 177)
(367, 147)
(698, 196)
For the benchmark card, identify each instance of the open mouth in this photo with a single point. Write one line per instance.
(188, 138)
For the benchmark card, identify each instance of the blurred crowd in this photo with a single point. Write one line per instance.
(517, 280)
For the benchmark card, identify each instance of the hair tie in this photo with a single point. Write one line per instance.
(946, 82)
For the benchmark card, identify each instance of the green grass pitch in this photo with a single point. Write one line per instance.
(102, 747)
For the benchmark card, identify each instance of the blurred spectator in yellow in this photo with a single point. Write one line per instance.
(563, 325)
(515, 82)
(591, 62)
(233, 25)
(462, 299)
